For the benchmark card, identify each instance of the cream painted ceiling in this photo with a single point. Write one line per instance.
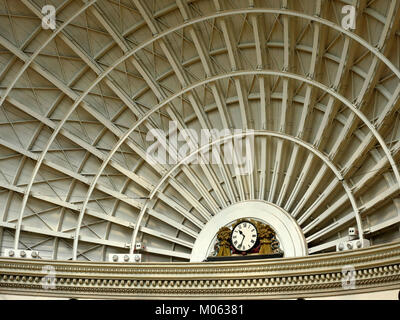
(77, 103)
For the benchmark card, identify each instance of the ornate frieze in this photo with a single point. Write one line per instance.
(373, 269)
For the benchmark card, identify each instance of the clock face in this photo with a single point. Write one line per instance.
(244, 236)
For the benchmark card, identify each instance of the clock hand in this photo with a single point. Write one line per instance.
(242, 238)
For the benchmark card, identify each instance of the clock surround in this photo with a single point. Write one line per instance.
(288, 232)
(260, 241)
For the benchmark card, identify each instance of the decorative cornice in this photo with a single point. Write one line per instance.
(375, 269)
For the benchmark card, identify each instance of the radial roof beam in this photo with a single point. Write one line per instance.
(375, 203)
(322, 135)
(340, 223)
(287, 96)
(386, 117)
(258, 24)
(327, 191)
(339, 204)
(206, 63)
(382, 225)
(327, 245)
(63, 235)
(309, 100)
(234, 61)
(343, 69)
(299, 184)
(167, 237)
(384, 44)
(181, 75)
(194, 101)
(113, 211)
(376, 171)
(219, 100)
(360, 187)
(381, 199)
(321, 174)
(369, 84)
(168, 253)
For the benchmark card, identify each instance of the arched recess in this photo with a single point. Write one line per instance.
(191, 22)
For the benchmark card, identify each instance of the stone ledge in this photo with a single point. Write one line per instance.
(376, 268)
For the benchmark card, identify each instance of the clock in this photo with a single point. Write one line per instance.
(244, 236)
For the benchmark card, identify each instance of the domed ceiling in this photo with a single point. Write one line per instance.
(78, 104)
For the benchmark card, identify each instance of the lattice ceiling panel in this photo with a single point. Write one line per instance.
(77, 103)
